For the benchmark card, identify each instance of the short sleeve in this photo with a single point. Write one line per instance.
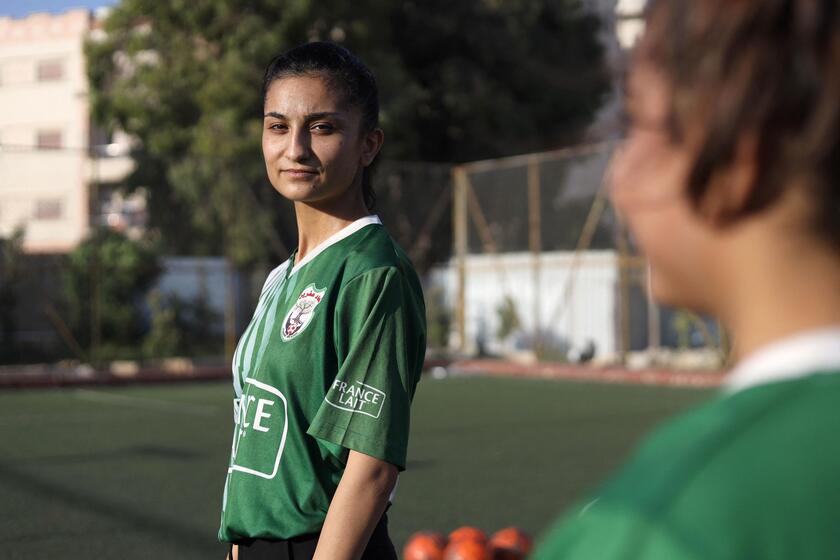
(611, 532)
(379, 335)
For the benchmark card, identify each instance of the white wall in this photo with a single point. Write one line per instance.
(576, 297)
(191, 278)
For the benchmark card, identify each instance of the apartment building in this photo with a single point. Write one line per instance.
(51, 162)
(622, 23)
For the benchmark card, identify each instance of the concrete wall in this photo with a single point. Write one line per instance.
(204, 279)
(573, 302)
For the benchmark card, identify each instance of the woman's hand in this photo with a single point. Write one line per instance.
(356, 508)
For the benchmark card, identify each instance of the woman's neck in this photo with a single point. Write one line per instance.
(779, 291)
(318, 222)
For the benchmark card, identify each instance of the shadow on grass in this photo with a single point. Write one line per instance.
(130, 518)
(138, 451)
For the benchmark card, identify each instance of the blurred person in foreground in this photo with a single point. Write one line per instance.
(325, 373)
(730, 182)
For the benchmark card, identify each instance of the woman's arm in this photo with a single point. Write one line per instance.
(356, 508)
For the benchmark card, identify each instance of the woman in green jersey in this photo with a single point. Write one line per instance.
(325, 373)
(730, 181)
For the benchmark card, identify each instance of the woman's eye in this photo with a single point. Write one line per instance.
(322, 127)
(277, 127)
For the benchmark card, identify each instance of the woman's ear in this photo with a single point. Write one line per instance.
(731, 187)
(371, 144)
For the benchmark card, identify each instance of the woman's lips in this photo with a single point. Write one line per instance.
(299, 173)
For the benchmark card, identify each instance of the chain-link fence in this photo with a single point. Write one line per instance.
(543, 269)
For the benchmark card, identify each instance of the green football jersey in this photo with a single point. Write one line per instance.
(751, 475)
(329, 363)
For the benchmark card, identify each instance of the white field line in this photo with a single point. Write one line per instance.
(28, 419)
(146, 403)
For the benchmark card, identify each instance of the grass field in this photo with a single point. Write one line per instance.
(137, 472)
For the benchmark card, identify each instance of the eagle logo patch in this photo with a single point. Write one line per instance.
(301, 313)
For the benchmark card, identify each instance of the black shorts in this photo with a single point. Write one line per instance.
(379, 547)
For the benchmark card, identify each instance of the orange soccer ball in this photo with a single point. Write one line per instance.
(424, 546)
(467, 533)
(510, 543)
(466, 549)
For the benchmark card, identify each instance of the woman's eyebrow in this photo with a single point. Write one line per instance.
(309, 117)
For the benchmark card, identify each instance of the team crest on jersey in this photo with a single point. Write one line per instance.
(301, 313)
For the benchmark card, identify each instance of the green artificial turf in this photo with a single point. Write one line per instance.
(137, 472)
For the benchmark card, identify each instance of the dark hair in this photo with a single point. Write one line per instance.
(345, 73)
(768, 68)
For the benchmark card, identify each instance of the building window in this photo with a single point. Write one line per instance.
(50, 70)
(49, 140)
(48, 209)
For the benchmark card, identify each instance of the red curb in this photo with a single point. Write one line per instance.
(61, 378)
(658, 377)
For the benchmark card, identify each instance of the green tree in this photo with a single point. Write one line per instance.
(116, 272)
(508, 317)
(11, 276)
(165, 337)
(459, 81)
(181, 327)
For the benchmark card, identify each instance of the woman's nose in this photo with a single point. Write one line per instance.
(299, 147)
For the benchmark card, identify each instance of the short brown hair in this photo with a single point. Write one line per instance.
(770, 68)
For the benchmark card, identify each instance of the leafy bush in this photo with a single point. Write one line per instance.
(113, 272)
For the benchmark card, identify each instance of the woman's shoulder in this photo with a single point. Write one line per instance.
(374, 250)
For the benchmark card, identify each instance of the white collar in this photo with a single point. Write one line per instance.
(343, 233)
(793, 357)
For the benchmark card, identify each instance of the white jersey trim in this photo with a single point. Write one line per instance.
(278, 272)
(793, 357)
(343, 233)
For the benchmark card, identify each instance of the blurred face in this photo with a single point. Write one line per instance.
(312, 142)
(648, 177)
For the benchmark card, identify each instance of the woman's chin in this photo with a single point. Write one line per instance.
(296, 192)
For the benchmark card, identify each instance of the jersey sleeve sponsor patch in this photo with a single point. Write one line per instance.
(356, 397)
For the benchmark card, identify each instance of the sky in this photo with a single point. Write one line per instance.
(21, 8)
